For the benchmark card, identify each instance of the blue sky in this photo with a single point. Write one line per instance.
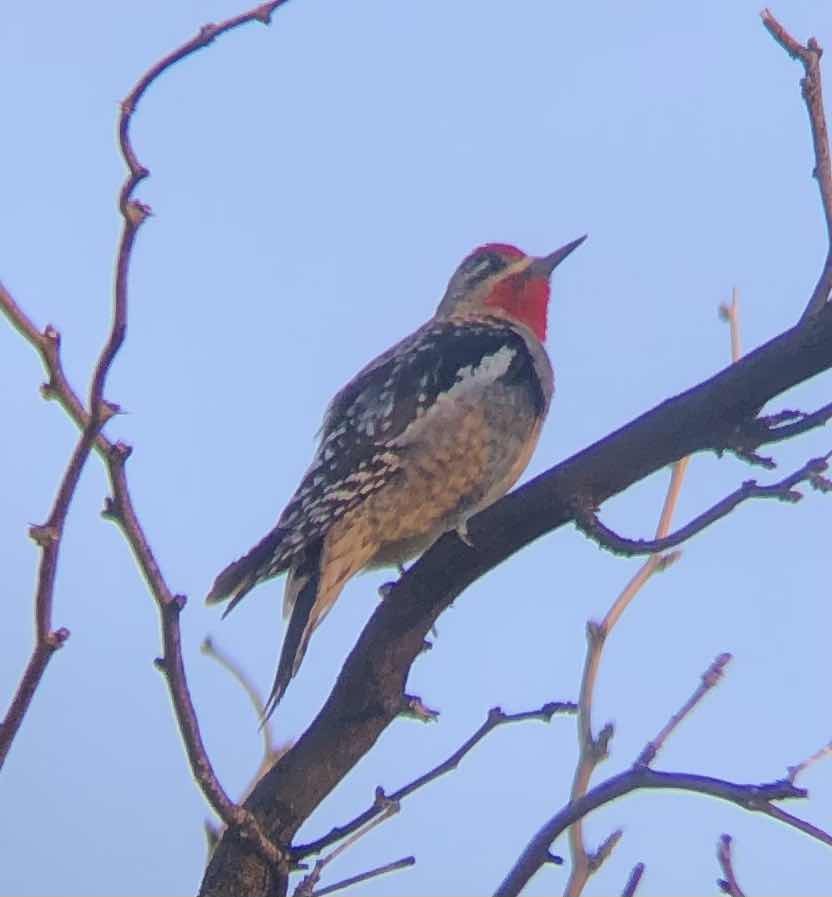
(314, 184)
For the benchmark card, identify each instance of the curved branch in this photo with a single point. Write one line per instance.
(728, 885)
(588, 523)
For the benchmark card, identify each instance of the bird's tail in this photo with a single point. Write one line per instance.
(299, 604)
(316, 577)
(239, 578)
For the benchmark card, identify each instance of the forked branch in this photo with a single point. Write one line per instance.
(120, 507)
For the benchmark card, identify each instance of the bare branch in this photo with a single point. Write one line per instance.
(755, 798)
(783, 425)
(759, 798)
(591, 750)
(372, 873)
(811, 88)
(47, 535)
(120, 507)
(307, 884)
(729, 884)
(271, 751)
(588, 523)
(496, 718)
(710, 679)
(633, 881)
(731, 314)
(800, 768)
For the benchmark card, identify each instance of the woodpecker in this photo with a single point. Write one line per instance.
(429, 433)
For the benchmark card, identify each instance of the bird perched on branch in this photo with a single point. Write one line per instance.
(429, 433)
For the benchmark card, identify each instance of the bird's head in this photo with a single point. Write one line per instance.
(502, 280)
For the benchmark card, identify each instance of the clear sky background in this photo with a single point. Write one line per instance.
(314, 184)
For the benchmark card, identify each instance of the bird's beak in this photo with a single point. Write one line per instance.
(543, 267)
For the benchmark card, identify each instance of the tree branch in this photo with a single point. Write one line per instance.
(372, 873)
(240, 821)
(751, 797)
(786, 424)
(589, 524)
(812, 90)
(755, 798)
(593, 750)
(633, 881)
(496, 718)
(710, 679)
(729, 884)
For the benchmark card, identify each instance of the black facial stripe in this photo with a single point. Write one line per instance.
(481, 266)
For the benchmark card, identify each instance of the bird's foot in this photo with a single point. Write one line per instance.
(414, 707)
(386, 588)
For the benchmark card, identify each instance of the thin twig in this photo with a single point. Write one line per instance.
(729, 884)
(587, 521)
(731, 314)
(812, 90)
(372, 873)
(754, 798)
(633, 881)
(308, 882)
(770, 428)
(710, 679)
(270, 751)
(496, 718)
(800, 768)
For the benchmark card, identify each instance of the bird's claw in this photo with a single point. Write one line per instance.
(385, 590)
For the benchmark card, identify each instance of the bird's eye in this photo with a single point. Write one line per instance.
(480, 266)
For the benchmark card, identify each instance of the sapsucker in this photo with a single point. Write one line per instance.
(425, 436)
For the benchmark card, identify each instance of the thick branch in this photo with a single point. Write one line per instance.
(367, 696)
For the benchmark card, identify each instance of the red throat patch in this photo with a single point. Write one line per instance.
(525, 299)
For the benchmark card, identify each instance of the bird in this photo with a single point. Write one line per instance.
(426, 435)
